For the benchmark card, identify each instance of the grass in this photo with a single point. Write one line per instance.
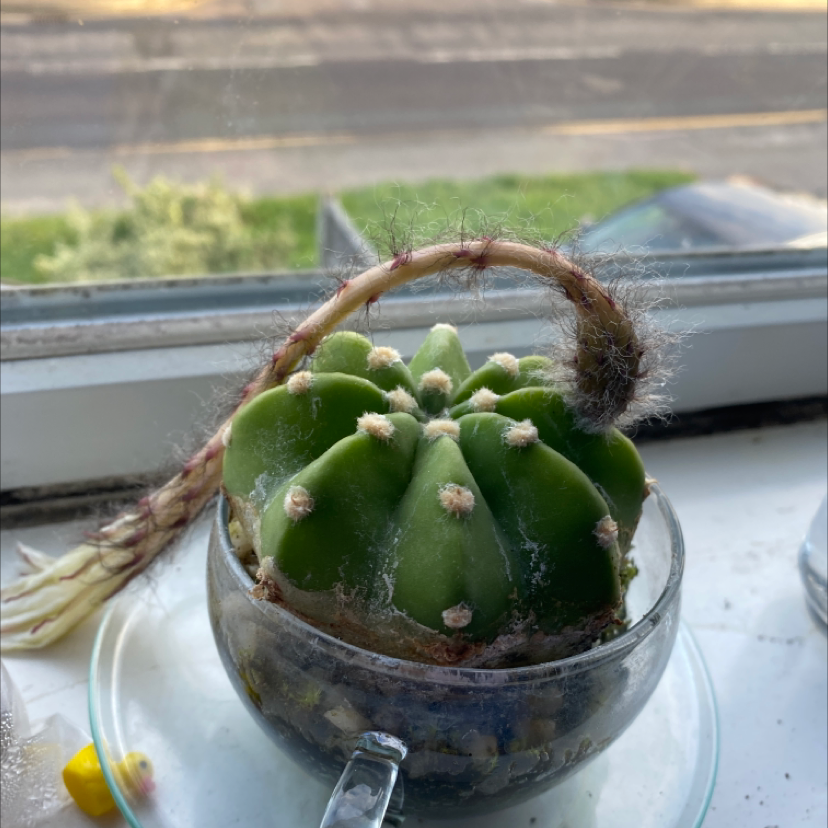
(23, 240)
(550, 206)
(297, 212)
(547, 206)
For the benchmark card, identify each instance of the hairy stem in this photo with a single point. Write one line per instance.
(41, 607)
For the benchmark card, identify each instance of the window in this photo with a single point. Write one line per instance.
(547, 115)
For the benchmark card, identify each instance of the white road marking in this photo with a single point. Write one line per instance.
(113, 66)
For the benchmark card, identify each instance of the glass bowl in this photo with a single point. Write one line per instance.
(477, 740)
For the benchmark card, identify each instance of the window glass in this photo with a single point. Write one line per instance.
(153, 138)
(180, 177)
(648, 227)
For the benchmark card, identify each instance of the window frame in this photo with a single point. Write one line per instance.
(101, 382)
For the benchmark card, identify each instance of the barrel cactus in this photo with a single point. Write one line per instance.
(423, 510)
(432, 512)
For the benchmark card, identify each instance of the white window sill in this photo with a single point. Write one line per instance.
(93, 406)
(744, 500)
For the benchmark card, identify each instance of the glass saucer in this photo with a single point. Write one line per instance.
(157, 686)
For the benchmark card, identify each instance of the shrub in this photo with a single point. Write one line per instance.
(168, 229)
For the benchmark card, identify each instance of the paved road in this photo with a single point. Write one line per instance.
(157, 94)
(101, 110)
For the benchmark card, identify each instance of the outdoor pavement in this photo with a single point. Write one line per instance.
(790, 158)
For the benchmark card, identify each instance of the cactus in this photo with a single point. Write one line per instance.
(608, 363)
(431, 512)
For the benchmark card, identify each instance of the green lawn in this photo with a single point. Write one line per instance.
(23, 240)
(296, 215)
(172, 229)
(548, 206)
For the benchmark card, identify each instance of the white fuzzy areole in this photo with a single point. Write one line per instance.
(226, 435)
(457, 500)
(484, 400)
(300, 382)
(457, 617)
(521, 434)
(377, 425)
(382, 356)
(298, 503)
(441, 428)
(436, 381)
(400, 401)
(444, 326)
(507, 362)
(606, 530)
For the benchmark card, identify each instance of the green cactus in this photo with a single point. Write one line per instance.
(353, 524)
(431, 512)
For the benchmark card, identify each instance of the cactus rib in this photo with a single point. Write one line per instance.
(42, 606)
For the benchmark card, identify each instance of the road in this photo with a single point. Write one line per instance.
(315, 102)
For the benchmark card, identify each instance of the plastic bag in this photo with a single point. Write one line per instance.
(31, 760)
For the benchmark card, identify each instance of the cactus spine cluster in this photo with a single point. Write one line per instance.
(430, 512)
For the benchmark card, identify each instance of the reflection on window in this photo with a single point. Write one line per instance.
(650, 226)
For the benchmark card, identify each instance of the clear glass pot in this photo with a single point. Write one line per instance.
(458, 741)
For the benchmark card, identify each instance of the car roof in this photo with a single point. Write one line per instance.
(712, 214)
(746, 214)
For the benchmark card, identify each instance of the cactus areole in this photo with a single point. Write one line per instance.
(430, 512)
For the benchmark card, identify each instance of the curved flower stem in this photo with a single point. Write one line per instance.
(41, 607)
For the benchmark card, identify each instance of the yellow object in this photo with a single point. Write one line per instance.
(86, 784)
